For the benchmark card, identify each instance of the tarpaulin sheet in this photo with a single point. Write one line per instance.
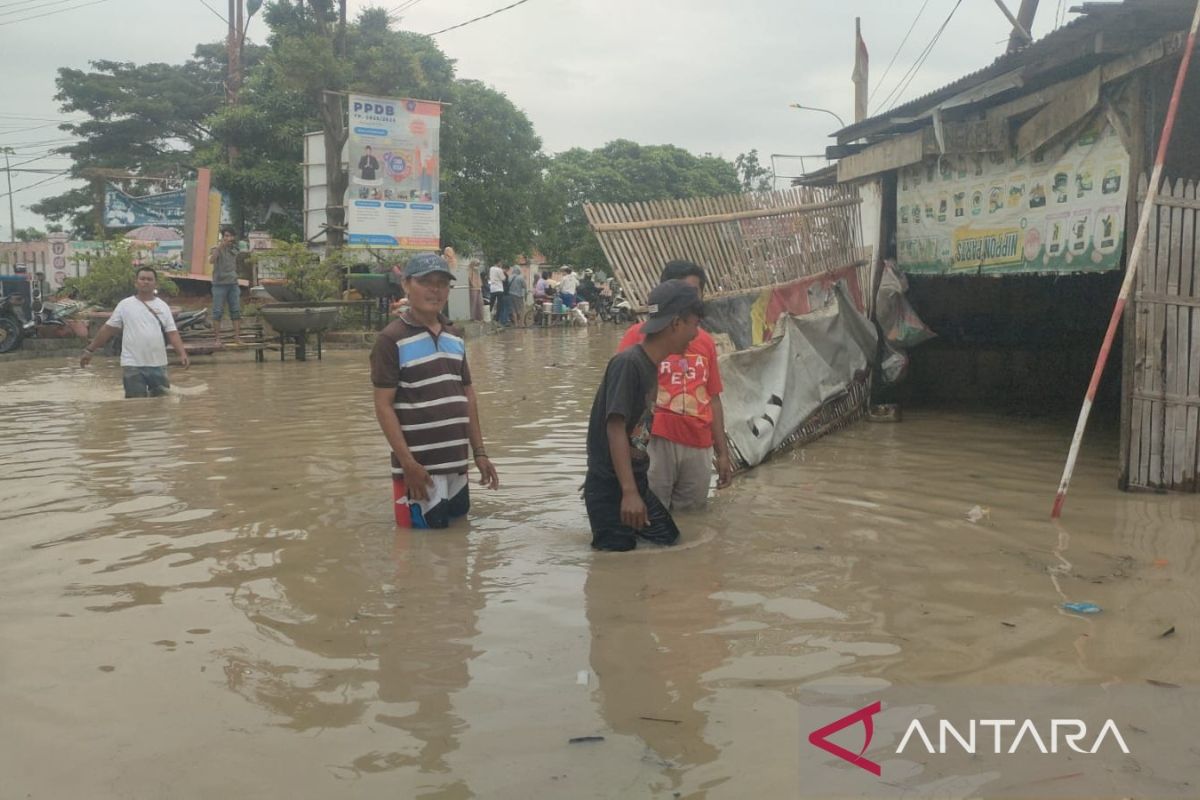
(749, 319)
(771, 390)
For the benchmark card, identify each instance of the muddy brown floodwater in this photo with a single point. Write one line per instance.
(205, 596)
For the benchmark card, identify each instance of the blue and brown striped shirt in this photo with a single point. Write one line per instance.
(430, 376)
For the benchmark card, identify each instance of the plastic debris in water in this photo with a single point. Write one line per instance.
(1082, 608)
(977, 513)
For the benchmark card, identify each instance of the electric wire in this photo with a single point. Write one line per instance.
(51, 13)
(20, 189)
(901, 87)
(35, 8)
(903, 41)
(213, 10)
(477, 19)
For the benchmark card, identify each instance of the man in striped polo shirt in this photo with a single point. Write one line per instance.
(425, 403)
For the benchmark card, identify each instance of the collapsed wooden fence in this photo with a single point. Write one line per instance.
(1161, 436)
(744, 241)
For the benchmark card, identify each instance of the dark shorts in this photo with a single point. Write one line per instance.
(602, 497)
(145, 381)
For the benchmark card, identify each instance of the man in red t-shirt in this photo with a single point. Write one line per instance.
(689, 422)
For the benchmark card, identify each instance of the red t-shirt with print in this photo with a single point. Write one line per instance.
(686, 385)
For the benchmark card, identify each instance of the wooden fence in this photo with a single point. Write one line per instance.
(744, 241)
(1164, 399)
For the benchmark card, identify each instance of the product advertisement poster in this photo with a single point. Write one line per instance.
(393, 191)
(1058, 211)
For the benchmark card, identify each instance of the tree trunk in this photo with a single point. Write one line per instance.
(333, 122)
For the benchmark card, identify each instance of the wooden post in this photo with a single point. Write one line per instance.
(1136, 106)
(1023, 26)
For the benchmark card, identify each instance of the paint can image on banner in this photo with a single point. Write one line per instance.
(393, 193)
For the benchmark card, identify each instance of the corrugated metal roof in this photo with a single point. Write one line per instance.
(1046, 54)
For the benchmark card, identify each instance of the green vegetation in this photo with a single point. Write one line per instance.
(110, 276)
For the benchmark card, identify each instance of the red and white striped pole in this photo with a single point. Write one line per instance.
(1131, 270)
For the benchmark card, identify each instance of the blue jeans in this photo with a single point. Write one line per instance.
(568, 300)
(505, 315)
(145, 381)
(226, 294)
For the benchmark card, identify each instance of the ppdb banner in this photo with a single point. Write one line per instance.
(393, 191)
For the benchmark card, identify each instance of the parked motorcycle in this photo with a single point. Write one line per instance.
(616, 309)
(17, 322)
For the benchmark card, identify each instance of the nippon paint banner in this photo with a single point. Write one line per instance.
(393, 157)
(1060, 211)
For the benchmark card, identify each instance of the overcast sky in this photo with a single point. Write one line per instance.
(708, 75)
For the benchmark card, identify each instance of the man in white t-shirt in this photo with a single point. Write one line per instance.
(496, 287)
(568, 286)
(142, 320)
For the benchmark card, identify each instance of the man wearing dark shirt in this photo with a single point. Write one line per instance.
(368, 164)
(425, 403)
(620, 506)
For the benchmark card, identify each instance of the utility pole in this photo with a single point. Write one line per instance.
(1025, 22)
(12, 224)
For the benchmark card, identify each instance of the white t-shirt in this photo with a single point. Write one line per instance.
(496, 280)
(141, 334)
(568, 284)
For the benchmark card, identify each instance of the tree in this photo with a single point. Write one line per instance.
(621, 171)
(144, 119)
(492, 167)
(33, 234)
(753, 176)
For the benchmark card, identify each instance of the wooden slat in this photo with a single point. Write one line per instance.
(1140, 409)
(1172, 444)
(1191, 267)
(716, 218)
(817, 229)
(1157, 346)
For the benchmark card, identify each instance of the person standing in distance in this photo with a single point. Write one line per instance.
(425, 403)
(225, 289)
(567, 287)
(689, 420)
(142, 320)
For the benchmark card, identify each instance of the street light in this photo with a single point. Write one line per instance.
(814, 108)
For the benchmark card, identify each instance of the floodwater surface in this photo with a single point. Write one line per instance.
(204, 595)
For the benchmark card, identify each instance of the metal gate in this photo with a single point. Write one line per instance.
(1161, 435)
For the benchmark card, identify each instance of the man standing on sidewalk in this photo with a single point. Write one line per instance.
(225, 289)
(142, 321)
(689, 420)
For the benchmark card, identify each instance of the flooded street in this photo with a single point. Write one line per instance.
(205, 596)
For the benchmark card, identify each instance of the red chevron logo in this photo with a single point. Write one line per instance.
(820, 738)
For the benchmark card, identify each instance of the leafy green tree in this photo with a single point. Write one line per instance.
(753, 176)
(492, 173)
(110, 276)
(144, 119)
(30, 234)
(621, 171)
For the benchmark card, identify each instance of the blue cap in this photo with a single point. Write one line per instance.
(426, 263)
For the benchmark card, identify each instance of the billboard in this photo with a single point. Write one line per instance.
(123, 210)
(393, 159)
(1059, 211)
